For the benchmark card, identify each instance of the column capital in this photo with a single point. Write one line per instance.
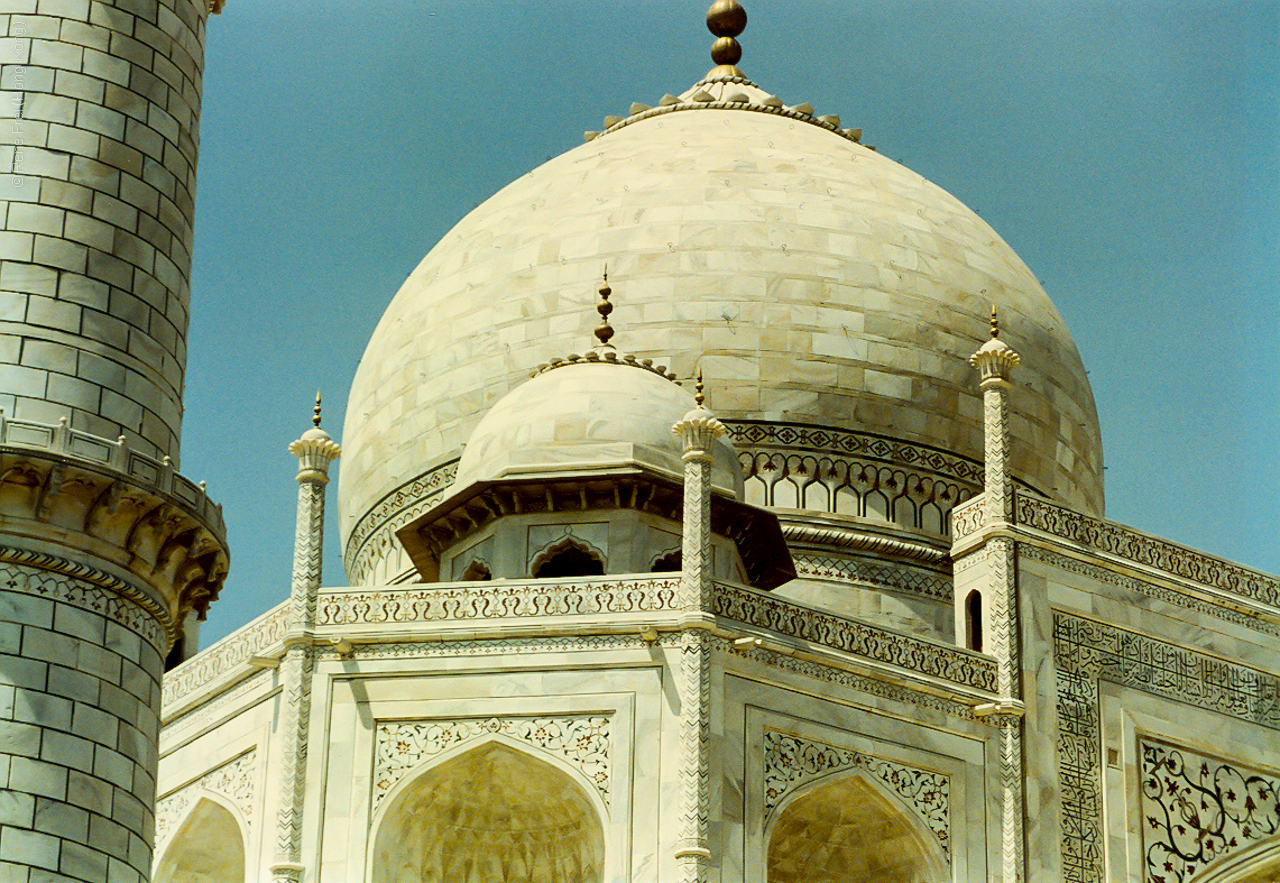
(315, 451)
(995, 359)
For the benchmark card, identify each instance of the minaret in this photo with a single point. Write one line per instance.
(105, 552)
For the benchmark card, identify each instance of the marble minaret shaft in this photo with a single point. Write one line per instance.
(995, 360)
(315, 452)
(698, 431)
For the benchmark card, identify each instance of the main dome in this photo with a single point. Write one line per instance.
(814, 281)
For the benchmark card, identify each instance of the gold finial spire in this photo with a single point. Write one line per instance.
(995, 323)
(604, 331)
(315, 417)
(698, 396)
(726, 19)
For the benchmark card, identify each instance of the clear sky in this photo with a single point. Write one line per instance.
(1129, 151)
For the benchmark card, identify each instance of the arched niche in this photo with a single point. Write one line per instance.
(208, 847)
(569, 557)
(845, 828)
(491, 813)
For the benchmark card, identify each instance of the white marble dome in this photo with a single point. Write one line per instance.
(815, 282)
(588, 418)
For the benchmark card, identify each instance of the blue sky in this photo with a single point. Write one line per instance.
(1128, 151)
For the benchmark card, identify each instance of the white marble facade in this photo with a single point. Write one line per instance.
(918, 652)
(807, 713)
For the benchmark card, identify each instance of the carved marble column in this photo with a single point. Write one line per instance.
(698, 430)
(315, 451)
(995, 359)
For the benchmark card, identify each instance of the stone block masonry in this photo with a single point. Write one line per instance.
(79, 715)
(98, 146)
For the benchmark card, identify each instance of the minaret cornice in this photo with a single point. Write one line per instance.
(86, 506)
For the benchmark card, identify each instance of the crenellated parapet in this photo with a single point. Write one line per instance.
(98, 511)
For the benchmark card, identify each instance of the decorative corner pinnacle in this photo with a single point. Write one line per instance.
(995, 359)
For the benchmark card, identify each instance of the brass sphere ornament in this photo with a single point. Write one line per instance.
(726, 50)
(726, 18)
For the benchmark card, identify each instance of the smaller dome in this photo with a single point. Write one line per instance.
(589, 417)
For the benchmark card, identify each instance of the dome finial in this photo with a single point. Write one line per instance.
(726, 19)
(995, 323)
(698, 396)
(604, 331)
(315, 417)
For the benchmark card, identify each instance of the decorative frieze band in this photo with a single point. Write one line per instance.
(210, 665)
(583, 741)
(234, 780)
(1197, 808)
(1086, 652)
(842, 486)
(375, 533)
(791, 762)
(1123, 542)
(752, 434)
(898, 578)
(496, 600)
(1141, 587)
(967, 518)
(77, 584)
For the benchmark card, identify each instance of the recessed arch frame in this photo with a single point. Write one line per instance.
(611, 864)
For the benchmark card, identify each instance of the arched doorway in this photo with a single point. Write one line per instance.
(493, 813)
(208, 846)
(845, 828)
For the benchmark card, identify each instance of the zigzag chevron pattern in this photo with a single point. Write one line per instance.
(695, 738)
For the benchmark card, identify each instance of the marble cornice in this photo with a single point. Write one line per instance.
(811, 529)
(69, 495)
(753, 530)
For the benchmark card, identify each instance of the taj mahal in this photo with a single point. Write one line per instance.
(633, 593)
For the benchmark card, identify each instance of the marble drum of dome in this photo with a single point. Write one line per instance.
(815, 282)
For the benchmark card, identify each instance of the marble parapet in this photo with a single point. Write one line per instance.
(1108, 544)
(647, 605)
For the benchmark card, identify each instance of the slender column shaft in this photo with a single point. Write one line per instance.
(997, 487)
(315, 452)
(699, 429)
(695, 546)
(996, 360)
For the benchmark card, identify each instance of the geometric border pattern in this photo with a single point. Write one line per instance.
(1086, 652)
